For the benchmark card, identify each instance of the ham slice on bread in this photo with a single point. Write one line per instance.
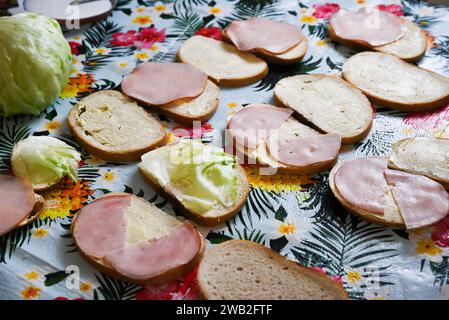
(269, 136)
(367, 188)
(373, 29)
(274, 41)
(19, 204)
(129, 238)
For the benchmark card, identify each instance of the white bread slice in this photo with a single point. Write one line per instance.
(425, 156)
(389, 81)
(244, 270)
(145, 222)
(329, 103)
(222, 62)
(292, 56)
(213, 217)
(201, 108)
(391, 217)
(111, 126)
(410, 47)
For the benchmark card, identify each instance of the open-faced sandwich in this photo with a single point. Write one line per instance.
(126, 237)
(202, 181)
(19, 204)
(240, 269)
(274, 41)
(222, 62)
(392, 82)
(373, 29)
(112, 126)
(270, 136)
(368, 188)
(179, 90)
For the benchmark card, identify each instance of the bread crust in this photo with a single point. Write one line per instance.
(344, 140)
(362, 45)
(169, 275)
(407, 107)
(276, 256)
(97, 150)
(200, 219)
(361, 213)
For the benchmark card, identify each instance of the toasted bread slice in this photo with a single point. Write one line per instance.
(240, 269)
(425, 156)
(222, 62)
(111, 126)
(145, 222)
(292, 56)
(389, 81)
(201, 108)
(329, 103)
(391, 217)
(213, 217)
(410, 47)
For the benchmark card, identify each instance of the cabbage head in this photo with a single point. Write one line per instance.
(35, 63)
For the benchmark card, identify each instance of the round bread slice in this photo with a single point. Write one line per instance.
(391, 217)
(410, 47)
(426, 156)
(328, 103)
(390, 81)
(213, 217)
(111, 126)
(222, 62)
(244, 270)
(129, 238)
(201, 108)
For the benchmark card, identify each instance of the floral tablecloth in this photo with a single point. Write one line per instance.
(295, 215)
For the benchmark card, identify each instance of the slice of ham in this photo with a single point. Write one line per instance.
(101, 225)
(361, 182)
(306, 151)
(369, 25)
(158, 83)
(260, 33)
(421, 201)
(147, 259)
(252, 125)
(16, 202)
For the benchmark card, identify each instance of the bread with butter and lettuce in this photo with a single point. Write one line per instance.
(204, 182)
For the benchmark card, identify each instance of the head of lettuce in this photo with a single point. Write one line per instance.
(35, 63)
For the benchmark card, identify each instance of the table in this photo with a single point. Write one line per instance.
(40, 261)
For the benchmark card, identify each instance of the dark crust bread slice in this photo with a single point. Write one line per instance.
(169, 275)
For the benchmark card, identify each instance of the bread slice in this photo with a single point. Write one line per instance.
(410, 47)
(244, 270)
(391, 217)
(222, 62)
(39, 205)
(389, 81)
(111, 126)
(292, 56)
(218, 214)
(327, 102)
(291, 129)
(425, 156)
(145, 223)
(201, 108)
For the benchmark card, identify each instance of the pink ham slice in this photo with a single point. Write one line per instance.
(158, 83)
(303, 152)
(361, 182)
(369, 25)
(421, 200)
(259, 33)
(147, 259)
(101, 225)
(16, 202)
(251, 125)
